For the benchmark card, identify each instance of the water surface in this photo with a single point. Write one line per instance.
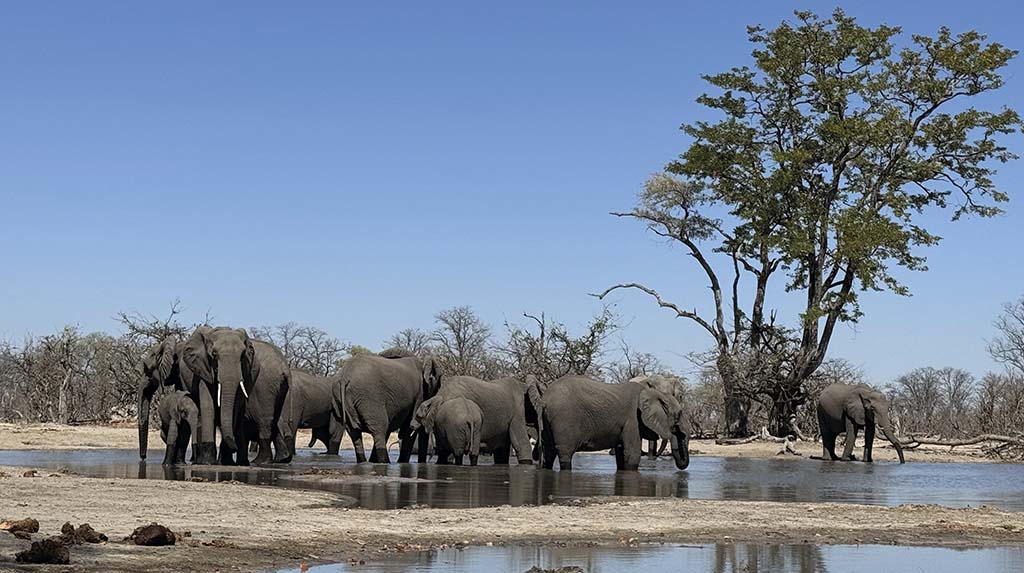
(720, 558)
(791, 479)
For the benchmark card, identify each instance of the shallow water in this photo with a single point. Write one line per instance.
(719, 558)
(800, 480)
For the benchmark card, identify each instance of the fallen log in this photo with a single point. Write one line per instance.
(915, 441)
(764, 436)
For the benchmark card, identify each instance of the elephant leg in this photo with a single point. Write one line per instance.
(423, 440)
(502, 455)
(869, 440)
(264, 436)
(357, 444)
(207, 426)
(851, 440)
(406, 441)
(443, 455)
(473, 458)
(828, 446)
(171, 441)
(565, 459)
(631, 457)
(458, 459)
(380, 449)
(652, 449)
(520, 439)
(548, 451)
(620, 457)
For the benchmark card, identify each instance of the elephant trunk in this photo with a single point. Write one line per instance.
(145, 400)
(229, 381)
(681, 449)
(889, 435)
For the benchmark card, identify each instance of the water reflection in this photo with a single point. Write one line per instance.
(378, 486)
(721, 558)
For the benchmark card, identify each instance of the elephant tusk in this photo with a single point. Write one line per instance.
(218, 395)
(244, 393)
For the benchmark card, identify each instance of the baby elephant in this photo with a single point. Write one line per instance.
(455, 424)
(179, 420)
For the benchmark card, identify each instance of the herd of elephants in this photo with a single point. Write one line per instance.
(222, 379)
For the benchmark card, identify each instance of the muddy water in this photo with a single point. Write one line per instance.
(388, 487)
(699, 559)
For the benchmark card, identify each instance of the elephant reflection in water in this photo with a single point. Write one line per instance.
(751, 558)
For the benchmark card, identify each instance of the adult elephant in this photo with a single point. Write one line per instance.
(503, 405)
(308, 406)
(378, 394)
(162, 371)
(668, 385)
(584, 415)
(849, 408)
(231, 363)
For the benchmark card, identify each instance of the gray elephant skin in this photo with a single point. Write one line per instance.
(253, 378)
(580, 415)
(849, 408)
(504, 405)
(162, 371)
(668, 385)
(179, 425)
(308, 406)
(455, 424)
(378, 395)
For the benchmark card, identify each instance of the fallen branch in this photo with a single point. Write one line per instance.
(924, 440)
(764, 436)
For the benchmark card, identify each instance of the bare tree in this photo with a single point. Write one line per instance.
(462, 342)
(550, 351)
(412, 339)
(634, 363)
(1007, 347)
(305, 347)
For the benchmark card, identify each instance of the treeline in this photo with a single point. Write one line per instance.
(76, 377)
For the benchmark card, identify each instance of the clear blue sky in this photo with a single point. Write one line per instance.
(359, 166)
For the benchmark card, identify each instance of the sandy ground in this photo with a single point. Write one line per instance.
(259, 528)
(58, 437)
(232, 526)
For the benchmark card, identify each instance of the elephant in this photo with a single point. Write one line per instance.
(179, 421)
(378, 394)
(230, 361)
(504, 406)
(162, 370)
(455, 424)
(308, 405)
(849, 408)
(581, 414)
(670, 385)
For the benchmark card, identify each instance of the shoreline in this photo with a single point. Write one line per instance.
(265, 528)
(125, 436)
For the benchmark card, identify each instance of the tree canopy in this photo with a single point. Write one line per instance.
(825, 155)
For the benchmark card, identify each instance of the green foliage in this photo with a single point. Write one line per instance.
(825, 154)
(833, 145)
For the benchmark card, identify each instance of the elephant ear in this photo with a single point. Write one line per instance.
(654, 414)
(427, 414)
(854, 408)
(250, 361)
(165, 360)
(431, 376)
(196, 354)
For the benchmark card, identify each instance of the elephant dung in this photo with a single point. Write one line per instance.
(27, 525)
(51, 551)
(84, 534)
(152, 535)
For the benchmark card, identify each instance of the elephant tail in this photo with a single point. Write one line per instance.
(339, 401)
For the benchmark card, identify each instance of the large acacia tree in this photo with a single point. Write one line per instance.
(825, 155)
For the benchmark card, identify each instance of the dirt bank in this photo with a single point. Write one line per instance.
(255, 528)
(125, 436)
